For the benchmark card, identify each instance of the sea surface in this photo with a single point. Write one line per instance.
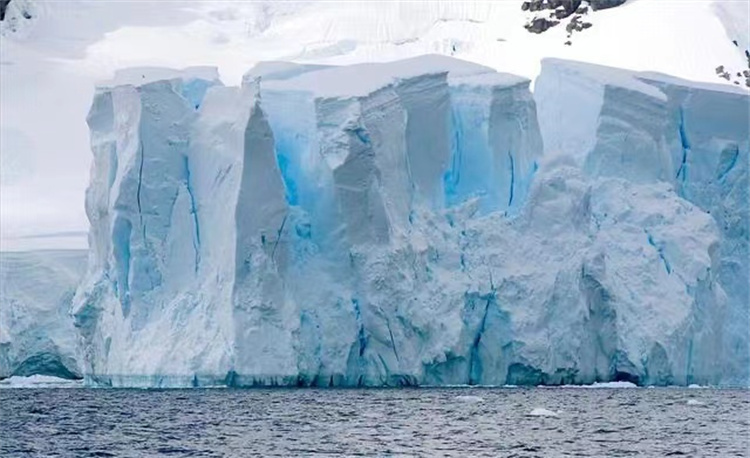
(463, 422)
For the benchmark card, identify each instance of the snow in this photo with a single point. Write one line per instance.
(363, 79)
(39, 381)
(55, 58)
(542, 412)
(735, 17)
(280, 235)
(140, 76)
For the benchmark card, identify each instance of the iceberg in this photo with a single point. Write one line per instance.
(37, 337)
(419, 222)
(542, 412)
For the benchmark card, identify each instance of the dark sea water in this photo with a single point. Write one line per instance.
(405, 422)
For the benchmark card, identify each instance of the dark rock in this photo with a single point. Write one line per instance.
(3, 8)
(525, 6)
(604, 4)
(719, 69)
(575, 25)
(572, 5)
(582, 10)
(735, 43)
(540, 25)
(568, 43)
(569, 7)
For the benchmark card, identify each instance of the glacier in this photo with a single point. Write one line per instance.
(419, 222)
(37, 337)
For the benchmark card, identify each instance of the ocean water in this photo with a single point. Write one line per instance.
(399, 422)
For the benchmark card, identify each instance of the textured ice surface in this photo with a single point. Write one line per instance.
(36, 330)
(693, 136)
(395, 224)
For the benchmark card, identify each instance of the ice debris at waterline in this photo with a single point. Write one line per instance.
(400, 224)
(39, 381)
(541, 412)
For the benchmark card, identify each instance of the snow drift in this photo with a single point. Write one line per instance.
(398, 224)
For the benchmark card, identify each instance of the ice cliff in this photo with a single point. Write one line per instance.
(402, 223)
(652, 129)
(36, 332)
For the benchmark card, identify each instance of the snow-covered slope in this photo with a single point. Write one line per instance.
(397, 223)
(51, 60)
(36, 330)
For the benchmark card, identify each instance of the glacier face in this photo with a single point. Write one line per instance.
(655, 128)
(36, 333)
(399, 224)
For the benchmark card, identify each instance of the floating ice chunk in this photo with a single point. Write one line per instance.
(695, 402)
(612, 385)
(541, 412)
(469, 399)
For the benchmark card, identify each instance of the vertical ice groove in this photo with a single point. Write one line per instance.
(732, 163)
(660, 252)
(361, 336)
(512, 179)
(393, 341)
(685, 142)
(278, 236)
(142, 160)
(194, 214)
(475, 365)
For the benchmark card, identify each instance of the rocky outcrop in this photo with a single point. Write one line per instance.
(550, 13)
(604, 4)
